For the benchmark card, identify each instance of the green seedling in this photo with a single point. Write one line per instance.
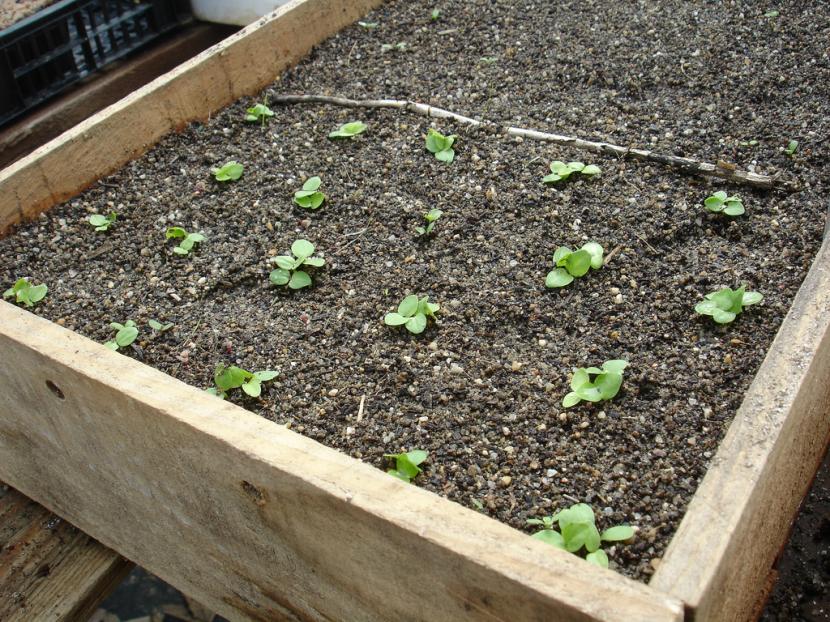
(605, 384)
(159, 327)
(748, 143)
(368, 25)
(726, 304)
(125, 335)
(228, 377)
(24, 292)
(187, 239)
(412, 313)
(440, 145)
(488, 60)
(406, 465)
(578, 531)
(435, 15)
(559, 171)
(349, 130)
(259, 112)
(720, 202)
(570, 264)
(772, 13)
(230, 171)
(792, 147)
(431, 217)
(310, 197)
(101, 222)
(398, 47)
(287, 272)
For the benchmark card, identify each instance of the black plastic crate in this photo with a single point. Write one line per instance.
(42, 55)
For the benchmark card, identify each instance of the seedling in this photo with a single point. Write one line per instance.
(435, 15)
(287, 273)
(489, 60)
(772, 13)
(441, 145)
(605, 384)
(159, 327)
(559, 171)
(431, 217)
(187, 239)
(406, 465)
(792, 147)
(101, 222)
(726, 304)
(412, 313)
(230, 171)
(720, 202)
(259, 112)
(23, 291)
(388, 47)
(570, 264)
(310, 197)
(368, 25)
(577, 531)
(349, 130)
(125, 335)
(231, 377)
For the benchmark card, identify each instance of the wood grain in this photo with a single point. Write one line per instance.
(50, 571)
(739, 518)
(241, 65)
(255, 521)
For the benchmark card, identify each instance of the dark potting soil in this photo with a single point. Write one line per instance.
(481, 389)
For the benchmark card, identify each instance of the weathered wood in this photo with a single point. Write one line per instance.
(50, 571)
(736, 523)
(241, 65)
(256, 521)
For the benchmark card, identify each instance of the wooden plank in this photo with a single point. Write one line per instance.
(49, 570)
(103, 89)
(241, 65)
(738, 520)
(256, 521)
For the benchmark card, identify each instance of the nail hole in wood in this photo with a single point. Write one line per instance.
(55, 389)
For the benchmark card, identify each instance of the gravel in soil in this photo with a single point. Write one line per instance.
(481, 389)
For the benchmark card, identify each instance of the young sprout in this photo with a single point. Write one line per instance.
(577, 531)
(792, 147)
(435, 15)
(560, 171)
(570, 264)
(309, 197)
(412, 313)
(287, 273)
(259, 112)
(726, 304)
(441, 145)
(188, 239)
(431, 217)
(605, 384)
(159, 327)
(719, 202)
(230, 171)
(368, 25)
(101, 222)
(388, 47)
(406, 465)
(125, 335)
(349, 130)
(231, 377)
(23, 291)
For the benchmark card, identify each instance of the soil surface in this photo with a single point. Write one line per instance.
(481, 389)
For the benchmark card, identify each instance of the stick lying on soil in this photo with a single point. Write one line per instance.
(686, 165)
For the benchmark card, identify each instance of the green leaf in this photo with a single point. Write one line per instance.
(551, 179)
(417, 456)
(37, 293)
(311, 184)
(126, 336)
(618, 533)
(435, 14)
(230, 377)
(578, 263)
(571, 399)
(155, 325)
(99, 220)
(265, 375)
(299, 279)
(302, 249)
(575, 166)
(420, 230)
(591, 169)
(560, 168)
(230, 171)
(116, 326)
(723, 317)
(175, 232)
(195, 237)
(534, 521)
(416, 324)
(751, 298)
(436, 141)
(111, 345)
(792, 147)
(394, 319)
(558, 277)
(180, 250)
(734, 208)
(433, 215)
(286, 262)
(447, 155)
(608, 384)
(315, 262)
(595, 251)
(615, 365)
(279, 276)
(597, 558)
(579, 378)
(772, 13)
(253, 387)
(550, 536)
(348, 130)
(575, 535)
(399, 475)
(406, 467)
(408, 306)
(560, 253)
